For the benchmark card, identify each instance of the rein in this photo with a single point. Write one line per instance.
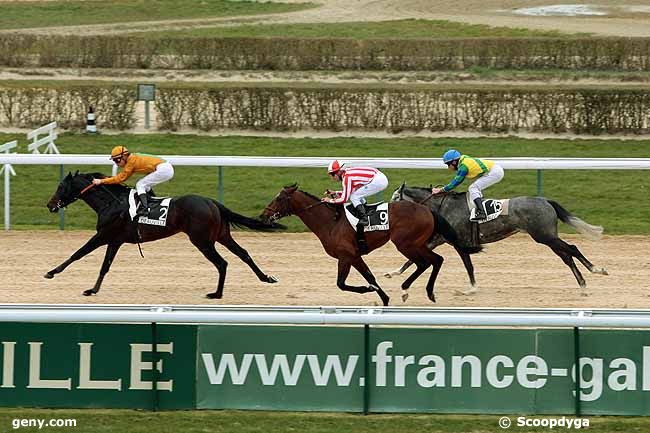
(296, 212)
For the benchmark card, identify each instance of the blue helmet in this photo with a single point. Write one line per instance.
(450, 155)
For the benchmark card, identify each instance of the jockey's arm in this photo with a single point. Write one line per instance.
(457, 180)
(342, 196)
(123, 175)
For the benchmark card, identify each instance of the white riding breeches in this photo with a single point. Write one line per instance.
(164, 172)
(376, 185)
(495, 175)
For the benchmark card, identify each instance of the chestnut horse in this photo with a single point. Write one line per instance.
(412, 226)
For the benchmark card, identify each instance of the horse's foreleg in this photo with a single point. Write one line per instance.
(436, 261)
(364, 270)
(240, 252)
(400, 271)
(343, 272)
(469, 267)
(111, 251)
(210, 252)
(90, 246)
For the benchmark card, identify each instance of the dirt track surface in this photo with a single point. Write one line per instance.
(619, 21)
(516, 272)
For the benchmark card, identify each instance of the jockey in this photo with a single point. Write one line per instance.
(157, 171)
(488, 173)
(358, 183)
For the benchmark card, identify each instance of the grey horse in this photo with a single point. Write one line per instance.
(535, 215)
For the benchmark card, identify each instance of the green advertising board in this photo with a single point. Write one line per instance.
(96, 365)
(423, 370)
(335, 368)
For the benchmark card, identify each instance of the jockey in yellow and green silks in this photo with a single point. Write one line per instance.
(487, 172)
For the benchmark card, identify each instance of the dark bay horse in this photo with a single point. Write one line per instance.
(204, 220)
(536, 216)
(412, 227)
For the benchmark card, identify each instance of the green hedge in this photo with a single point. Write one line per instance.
(490, 109)
(27, 107)
(615, 54)
(337, 108)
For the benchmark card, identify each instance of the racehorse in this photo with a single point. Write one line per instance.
(535, 215)
(204, 220)
(412, 227)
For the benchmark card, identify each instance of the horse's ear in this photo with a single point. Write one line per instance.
(76, 173)
(292, 187)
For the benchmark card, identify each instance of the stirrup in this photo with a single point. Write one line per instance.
(479, 217)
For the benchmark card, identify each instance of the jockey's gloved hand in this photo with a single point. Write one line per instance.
(97, 181)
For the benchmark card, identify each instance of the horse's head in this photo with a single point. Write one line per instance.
(280, 206)
(68, 191)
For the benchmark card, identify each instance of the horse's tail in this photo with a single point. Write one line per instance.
(445, 229)
(590, 232)
(241, 221)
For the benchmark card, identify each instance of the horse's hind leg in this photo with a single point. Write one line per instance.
(575, 252)
(562, 249)
(240, 252)
(364, 270)
(210, 252)
(111, 251)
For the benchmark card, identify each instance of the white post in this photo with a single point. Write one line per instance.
(9, 171)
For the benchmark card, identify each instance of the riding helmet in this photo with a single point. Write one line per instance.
(334, 167)
(118, 152)
(450, 155)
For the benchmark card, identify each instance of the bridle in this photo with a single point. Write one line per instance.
(60, 204)
(277, 214)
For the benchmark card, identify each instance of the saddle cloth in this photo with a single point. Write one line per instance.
(377, 214)
(493, 208)
(159, 209)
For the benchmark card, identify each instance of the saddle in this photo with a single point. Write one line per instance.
(378, 217)
(158, 209)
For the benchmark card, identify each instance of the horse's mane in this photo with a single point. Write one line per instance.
(310, 195)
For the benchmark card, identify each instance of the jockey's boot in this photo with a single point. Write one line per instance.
(480, 210)
(363, 216)
(143, 209)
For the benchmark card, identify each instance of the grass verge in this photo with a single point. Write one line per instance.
(404, 29)
(16, 15)
(108, 421)
(612, 198)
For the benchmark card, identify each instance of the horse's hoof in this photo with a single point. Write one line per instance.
(48, 275)
(471, 291)
(89, 292)
(213, 295)
(271, 279)
(432, 298)
(405, 296)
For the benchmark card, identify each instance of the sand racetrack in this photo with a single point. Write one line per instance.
(516, 272)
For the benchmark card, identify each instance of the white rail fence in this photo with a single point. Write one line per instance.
(496, 317)
(319, 162)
